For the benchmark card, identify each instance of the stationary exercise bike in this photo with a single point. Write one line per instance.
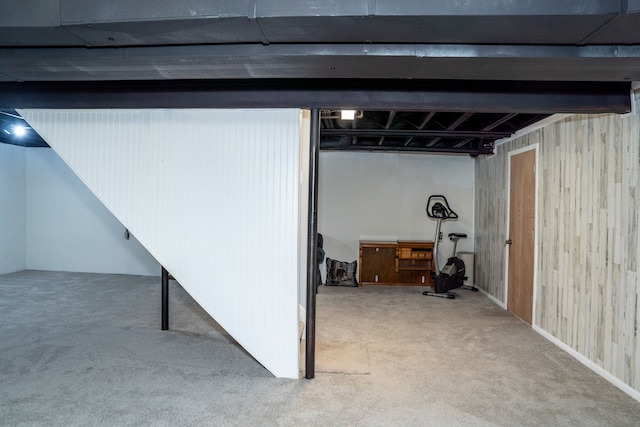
(452, 275)
(456, 265)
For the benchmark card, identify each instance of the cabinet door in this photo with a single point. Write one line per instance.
(377, 264)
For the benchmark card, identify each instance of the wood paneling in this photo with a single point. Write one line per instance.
(589, 248)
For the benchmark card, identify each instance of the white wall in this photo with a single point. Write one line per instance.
(12, 208)
(213, 194)
(69, 229)
(376, 196)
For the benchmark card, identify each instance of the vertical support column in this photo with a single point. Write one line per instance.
(312, 246)
(165, 299)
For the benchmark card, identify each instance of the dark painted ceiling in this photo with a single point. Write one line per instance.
(419, 131)
(453, 76)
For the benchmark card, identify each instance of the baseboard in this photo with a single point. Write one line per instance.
(591, 365)
(494, 299)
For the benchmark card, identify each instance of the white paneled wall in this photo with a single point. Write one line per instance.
(13, 209)
(68, 229)
(214, 196)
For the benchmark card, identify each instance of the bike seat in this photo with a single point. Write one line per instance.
(456, 236)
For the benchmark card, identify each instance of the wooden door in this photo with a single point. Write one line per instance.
(521, 234)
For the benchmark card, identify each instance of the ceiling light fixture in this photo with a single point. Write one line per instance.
(348, 114)
(19, 131)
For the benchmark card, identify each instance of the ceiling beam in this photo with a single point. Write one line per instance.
(401, 95)
(402, 149)
(320, 60)
(375, 133)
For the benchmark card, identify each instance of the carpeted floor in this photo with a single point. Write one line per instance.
(87, 349)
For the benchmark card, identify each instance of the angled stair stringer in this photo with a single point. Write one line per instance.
(214, 196)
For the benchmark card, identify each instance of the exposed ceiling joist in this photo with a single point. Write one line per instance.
(500, 121)
(466, 133)
(422, 124)
(473, 151)
(463, 117)
(414, 133)
(392, 115)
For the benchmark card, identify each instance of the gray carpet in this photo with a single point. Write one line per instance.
(86, 349)
(339, 357)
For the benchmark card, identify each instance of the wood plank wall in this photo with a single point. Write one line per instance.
(588, 242)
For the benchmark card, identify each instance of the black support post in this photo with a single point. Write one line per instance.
(165, 299)
(312, 246)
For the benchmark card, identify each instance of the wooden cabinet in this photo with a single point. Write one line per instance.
(414, 262)
(402, 263)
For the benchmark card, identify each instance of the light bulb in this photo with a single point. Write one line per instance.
(19, 131)
(348, 114)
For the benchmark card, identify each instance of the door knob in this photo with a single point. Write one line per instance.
(508, 242)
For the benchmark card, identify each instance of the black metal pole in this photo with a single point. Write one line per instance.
(165, 299)
(312, 245)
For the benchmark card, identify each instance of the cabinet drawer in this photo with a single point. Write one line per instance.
(405, 253)
(413, 253)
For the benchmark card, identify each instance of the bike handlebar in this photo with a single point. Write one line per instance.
(438, 208)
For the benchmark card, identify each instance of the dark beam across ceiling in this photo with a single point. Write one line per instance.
(398, 95)
(323, 61)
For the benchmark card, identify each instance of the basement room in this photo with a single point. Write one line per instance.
(360, 214)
